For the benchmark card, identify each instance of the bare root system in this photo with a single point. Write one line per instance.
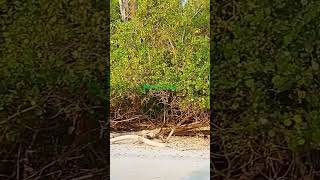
(239, 157)
(158, 110)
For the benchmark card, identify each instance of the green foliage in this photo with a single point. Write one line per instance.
(51, 47)
(168, 87)
(163, 44)
(267, 76)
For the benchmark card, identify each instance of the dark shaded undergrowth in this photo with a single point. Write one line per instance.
(53, 57)
(62, 142)
(237, 155)
(265, 88)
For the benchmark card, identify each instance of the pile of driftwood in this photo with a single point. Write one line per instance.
(164, 134)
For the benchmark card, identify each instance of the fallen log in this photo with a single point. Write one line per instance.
(188, 130)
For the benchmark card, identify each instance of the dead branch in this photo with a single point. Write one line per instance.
(137, 138)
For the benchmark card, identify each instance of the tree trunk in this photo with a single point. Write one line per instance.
(127, 9)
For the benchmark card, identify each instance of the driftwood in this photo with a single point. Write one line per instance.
(137, 138)
(146, 136)
(188, 130)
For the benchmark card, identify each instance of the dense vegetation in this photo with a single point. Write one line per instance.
(266, 73)
(52, 71)
(163, 44)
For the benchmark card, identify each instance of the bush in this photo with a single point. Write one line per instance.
(52, 75)
(51, 46)
(163, 44)
(266, 78)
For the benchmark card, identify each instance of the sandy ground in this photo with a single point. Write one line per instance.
(186, 158)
